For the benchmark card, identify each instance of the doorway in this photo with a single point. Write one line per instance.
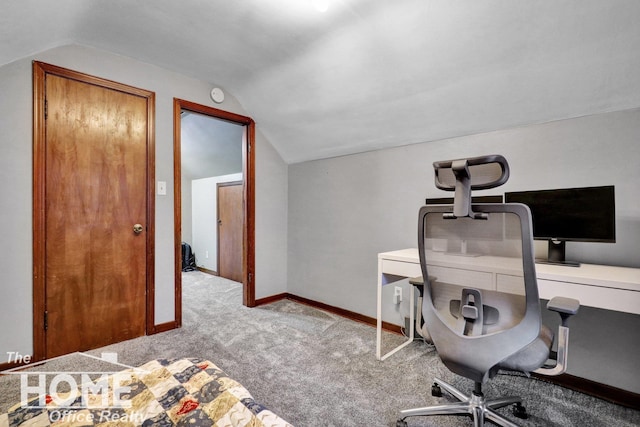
(183, 108)
(93, 218)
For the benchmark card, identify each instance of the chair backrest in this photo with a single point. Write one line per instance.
(481, 301)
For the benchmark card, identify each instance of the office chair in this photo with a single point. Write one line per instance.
(486, 317)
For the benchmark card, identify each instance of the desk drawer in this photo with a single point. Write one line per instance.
(400, 268)
(510, 284)
(594, 296)
(462, 277)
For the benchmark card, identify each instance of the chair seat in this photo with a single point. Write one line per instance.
(532, 356)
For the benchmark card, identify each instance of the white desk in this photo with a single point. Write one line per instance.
(610, 288)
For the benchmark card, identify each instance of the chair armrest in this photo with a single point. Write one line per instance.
(416, 281)
(565, 307)
(421, 328)
(419, 281)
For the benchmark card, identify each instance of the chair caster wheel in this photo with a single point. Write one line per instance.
(519, 411)
(436, 390)
(401, 423)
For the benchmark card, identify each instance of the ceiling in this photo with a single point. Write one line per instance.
(209, 146)
(365, 74)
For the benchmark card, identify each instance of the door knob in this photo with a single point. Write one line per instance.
(138, 228)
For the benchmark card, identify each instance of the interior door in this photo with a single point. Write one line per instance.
(95, 214)
(230, 228)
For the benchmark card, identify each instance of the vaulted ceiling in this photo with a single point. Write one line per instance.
(210, 147)
(365, 74)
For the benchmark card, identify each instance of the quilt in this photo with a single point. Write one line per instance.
(163, 392)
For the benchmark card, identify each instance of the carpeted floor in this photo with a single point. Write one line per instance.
(318, 369)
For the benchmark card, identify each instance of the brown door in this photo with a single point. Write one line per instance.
(95, 194)
(230, 230)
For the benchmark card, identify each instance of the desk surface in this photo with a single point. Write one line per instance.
(601, 276)
(585, 274)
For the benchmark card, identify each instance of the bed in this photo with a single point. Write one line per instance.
(163, 392)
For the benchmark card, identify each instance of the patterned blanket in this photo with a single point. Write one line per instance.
(164, 392)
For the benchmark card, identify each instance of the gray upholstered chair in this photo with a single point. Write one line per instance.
(485, 318)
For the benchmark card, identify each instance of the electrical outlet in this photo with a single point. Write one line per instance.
(397, 295)
(206, 254)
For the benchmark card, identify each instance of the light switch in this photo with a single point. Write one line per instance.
(162, 188)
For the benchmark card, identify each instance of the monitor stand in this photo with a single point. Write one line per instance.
(556, 255)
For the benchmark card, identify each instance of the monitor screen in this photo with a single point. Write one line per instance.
(573, 214)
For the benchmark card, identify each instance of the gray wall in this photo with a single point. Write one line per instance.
(16, 182)
(344, 211)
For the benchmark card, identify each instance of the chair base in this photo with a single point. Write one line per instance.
(475, 406)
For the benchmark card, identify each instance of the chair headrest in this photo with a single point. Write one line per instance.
(464, 175)
(482, 172)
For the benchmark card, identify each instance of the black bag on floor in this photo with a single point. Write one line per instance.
(188, 258)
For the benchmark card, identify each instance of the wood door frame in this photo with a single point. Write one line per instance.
(40, 71)
(248, 176)
(218, 185)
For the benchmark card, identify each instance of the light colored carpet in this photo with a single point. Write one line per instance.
(318, 369)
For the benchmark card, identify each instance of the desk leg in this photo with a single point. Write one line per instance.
(379, 319)
(379, 311)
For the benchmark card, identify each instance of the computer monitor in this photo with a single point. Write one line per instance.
(571, 214)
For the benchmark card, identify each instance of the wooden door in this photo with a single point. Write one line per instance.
(95, 192)
(230, 229)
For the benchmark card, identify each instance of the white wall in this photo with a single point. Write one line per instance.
(345, 210)
(16, 182)
(204, 213)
